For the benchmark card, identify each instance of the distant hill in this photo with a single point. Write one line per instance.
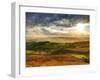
(61, 39)
(49, 46)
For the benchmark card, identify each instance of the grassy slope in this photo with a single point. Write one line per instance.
(66, 52)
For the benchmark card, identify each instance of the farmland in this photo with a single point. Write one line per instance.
(48, 53)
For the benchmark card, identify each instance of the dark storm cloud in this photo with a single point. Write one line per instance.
(45, 19)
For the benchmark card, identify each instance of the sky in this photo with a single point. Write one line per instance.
(43, 25)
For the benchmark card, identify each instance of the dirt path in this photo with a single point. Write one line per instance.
(53, 60)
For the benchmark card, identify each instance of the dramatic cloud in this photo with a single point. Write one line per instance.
(45, 25)
(45, 19)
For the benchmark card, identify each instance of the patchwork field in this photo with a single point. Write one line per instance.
(56, 54)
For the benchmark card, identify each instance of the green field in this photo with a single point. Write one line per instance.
(48, 53)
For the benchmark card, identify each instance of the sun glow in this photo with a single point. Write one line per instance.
(80, 27)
